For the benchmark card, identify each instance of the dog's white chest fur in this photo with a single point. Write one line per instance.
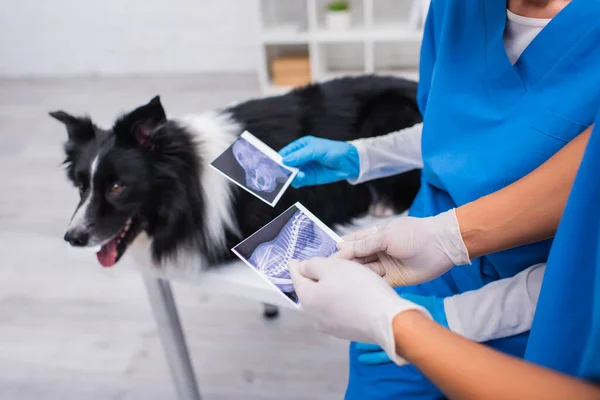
(213, 133)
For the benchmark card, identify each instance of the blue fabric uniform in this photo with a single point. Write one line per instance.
(487, 124)
(566, 330)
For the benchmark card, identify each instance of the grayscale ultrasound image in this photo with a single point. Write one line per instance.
(292, 235)
(248, 166)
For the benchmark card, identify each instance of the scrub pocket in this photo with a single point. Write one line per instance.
(558, 126)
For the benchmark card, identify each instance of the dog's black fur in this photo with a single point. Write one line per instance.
(148, 168)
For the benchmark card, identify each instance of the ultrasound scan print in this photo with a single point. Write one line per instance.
(262, 173)
(300, 239)
(256, 168)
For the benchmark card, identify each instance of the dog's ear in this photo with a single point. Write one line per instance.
(80, 130)
(137, 126)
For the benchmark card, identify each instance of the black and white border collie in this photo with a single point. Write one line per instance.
(149, 174)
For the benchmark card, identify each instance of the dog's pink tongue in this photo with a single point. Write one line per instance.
(108, 254)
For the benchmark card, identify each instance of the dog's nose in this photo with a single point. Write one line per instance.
(75, 238)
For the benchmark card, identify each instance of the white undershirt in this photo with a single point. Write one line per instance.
(520, 32)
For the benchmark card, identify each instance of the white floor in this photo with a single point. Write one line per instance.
(70, 329)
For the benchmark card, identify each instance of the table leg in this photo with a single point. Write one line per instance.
(172, 337)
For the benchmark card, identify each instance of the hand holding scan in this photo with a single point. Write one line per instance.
(478, 315)
(321, 161)
(408, 251)
(349, 301)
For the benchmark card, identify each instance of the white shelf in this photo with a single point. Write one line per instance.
(383, 33)
(384, 38)
(395, 34)
(356, 35)
(284, 36)
(353, 35)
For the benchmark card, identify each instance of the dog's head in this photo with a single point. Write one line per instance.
(121, 175)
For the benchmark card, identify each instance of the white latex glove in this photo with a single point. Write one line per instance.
(349, 301)
(408, 251)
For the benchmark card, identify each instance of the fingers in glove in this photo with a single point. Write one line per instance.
(368, 259)
(300, 180)
(295, 145)
(302, 156)
(377, 267)
(308, 175)
(395, 280)
(347, 254)
(312, 269)
(365, 247)
(373, 262)
(351, 237)
(302, 284)
(313, 173)
(305, 154)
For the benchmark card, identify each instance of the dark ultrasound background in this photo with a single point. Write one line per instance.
(269, 232)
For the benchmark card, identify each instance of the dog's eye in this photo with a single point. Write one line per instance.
(116, 188)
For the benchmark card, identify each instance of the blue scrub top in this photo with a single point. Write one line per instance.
(487, 124)
(566, 329)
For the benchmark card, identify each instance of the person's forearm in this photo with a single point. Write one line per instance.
(466, 370)
(390, 154)
(526, 211)
(500, 309)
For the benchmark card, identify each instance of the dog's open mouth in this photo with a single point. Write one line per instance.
(113, 250)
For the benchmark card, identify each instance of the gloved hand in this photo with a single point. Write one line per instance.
(321, 161)
(349, 301)
(479, 315)
(408, 251)
(372, 354)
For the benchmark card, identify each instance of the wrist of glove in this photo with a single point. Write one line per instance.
(408, 251)
(347, 300)
(321, 161)
(372, 354)
(479, 315)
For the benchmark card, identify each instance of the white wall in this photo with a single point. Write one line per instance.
(83, 37)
